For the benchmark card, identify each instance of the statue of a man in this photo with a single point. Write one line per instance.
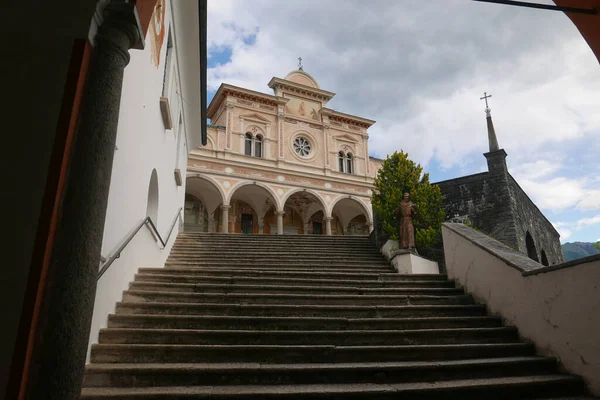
(407, 210)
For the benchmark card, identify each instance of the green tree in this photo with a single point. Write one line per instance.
(399, 175)
(597, 245)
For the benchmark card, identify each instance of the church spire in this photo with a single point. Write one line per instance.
(492, 139)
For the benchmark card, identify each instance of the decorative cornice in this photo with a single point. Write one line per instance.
(225, 91)
(338, 118)
(297, 88)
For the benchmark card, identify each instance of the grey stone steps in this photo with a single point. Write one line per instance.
(287, 281)
(529, 387)
(416, 288)
(282, 257)
(290, 273)
(304, 337)
(298, 252)
(277, 310)
(316, 269)
(139, 375)
(278, 265)
(295, 323)
(305, 262)
(168, 353)
(291, 299)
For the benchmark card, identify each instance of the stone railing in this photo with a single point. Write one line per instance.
(556, 307)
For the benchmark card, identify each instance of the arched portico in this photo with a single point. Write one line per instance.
(249, 203)
(304, 212)
(350, 216)
(202, 204)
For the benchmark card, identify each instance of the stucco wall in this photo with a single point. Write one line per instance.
(556, 308)
(530, 219)
(143, 145)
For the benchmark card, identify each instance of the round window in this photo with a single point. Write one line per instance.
(302, 146)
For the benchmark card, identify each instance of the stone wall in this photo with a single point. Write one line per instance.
(485, 200)
(530, 219)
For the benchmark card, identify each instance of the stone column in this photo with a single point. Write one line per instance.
(211, 223)
(225, 219)
(328, 225)
(280, 215)
(370, 227)
(261, 226)
(306, 227)
(67, 303)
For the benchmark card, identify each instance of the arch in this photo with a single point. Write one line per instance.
(152, 200)
(530, 244)
(239, 185)
(544, 258)
(365, 209)
(209, 180)
(297, 190)
(303, 78)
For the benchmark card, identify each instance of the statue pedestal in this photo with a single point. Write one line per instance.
(404, 262)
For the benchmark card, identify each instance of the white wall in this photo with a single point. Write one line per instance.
(558, 310)
(143, 144)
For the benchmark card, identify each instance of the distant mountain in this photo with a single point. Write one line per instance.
(575, 250)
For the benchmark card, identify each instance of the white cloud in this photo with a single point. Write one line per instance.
(588, 221)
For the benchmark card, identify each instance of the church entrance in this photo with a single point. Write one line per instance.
(247, 224)
(317, 228)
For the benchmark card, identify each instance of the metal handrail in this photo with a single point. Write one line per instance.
(145, 221)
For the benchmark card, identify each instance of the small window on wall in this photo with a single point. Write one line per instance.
(168, 66)
(258, 142)
(253, 145)
(341, 161)
(345, 162)
(248, 145)
(349, 165)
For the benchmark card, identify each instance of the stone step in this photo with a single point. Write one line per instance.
(527, 387)
(167, 353)
(291, 299)
(292, 273)
(283, 256)
(277, 310)
(303, 337)
(309, 263)
(291, 281)
(297, 251)
(314, 266)
(295, 323)
(139, 375)
(246, 285)
(284, 269)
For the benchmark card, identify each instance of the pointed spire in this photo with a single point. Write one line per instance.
(492, 139)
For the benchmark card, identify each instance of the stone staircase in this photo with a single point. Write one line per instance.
(307, 317)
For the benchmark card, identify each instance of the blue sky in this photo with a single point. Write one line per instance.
(419, 73)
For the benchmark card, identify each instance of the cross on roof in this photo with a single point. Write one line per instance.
(300, 63)
(485, 96)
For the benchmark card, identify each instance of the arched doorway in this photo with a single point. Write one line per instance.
(530, 244)
(202, 200)
(304, 214)
(250, 205)
(350, 217)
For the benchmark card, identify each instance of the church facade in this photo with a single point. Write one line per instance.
(281, 163)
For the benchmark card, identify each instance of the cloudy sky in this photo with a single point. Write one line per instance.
(419, 67)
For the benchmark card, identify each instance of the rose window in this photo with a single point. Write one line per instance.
(302, 146)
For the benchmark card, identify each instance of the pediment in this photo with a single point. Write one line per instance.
(345, 138)
(255, 117)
